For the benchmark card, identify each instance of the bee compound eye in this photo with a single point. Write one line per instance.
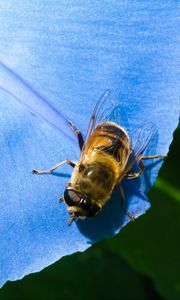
(71, 197)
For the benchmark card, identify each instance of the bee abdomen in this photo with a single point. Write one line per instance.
(114, 129)
(115, 141)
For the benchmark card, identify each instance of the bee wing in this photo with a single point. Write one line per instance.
(140, 140)
(97, 113)
(16, 86)
(105, 110)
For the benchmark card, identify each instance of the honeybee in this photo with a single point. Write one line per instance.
(107, 157)
(108, 154)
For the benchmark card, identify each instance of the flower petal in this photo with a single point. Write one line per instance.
(72, 53)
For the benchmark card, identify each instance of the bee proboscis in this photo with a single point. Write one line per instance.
(107, 157)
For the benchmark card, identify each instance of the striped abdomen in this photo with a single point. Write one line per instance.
(113, 140)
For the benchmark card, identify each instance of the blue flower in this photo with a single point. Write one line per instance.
(72, 53)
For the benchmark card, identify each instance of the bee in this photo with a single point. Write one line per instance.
(107, 157)
(108, 153)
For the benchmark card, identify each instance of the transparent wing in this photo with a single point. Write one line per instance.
(100, 135)
(16, 86)
(140, 140)
(106, 110)
(101, 108)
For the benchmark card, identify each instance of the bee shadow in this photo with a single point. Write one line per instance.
(113, 217)
(65, 175)
(109, 220)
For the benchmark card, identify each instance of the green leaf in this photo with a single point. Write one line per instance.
(96, 274)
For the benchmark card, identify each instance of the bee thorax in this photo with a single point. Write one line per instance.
(95, 181)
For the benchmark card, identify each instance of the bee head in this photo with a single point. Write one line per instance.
(79, 206)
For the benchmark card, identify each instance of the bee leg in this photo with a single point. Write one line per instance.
(79, 135)
(123, 204)
(61, 199)
(136, 174)
(153, 156)
(66, 161)
(141, 165)
(72, 219)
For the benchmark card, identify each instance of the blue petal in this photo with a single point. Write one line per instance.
(72, 53)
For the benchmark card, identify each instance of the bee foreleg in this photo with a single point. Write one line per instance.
(123, 204)
(61, 199)
(66, 161)
(79, 135)
(72, 218)
(136, 174)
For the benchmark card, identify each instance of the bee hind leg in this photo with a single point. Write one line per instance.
(134, 175)
(66, 161)
(153, 156)
(123, 204)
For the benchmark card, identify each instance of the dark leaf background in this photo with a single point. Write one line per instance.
(74, 52)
